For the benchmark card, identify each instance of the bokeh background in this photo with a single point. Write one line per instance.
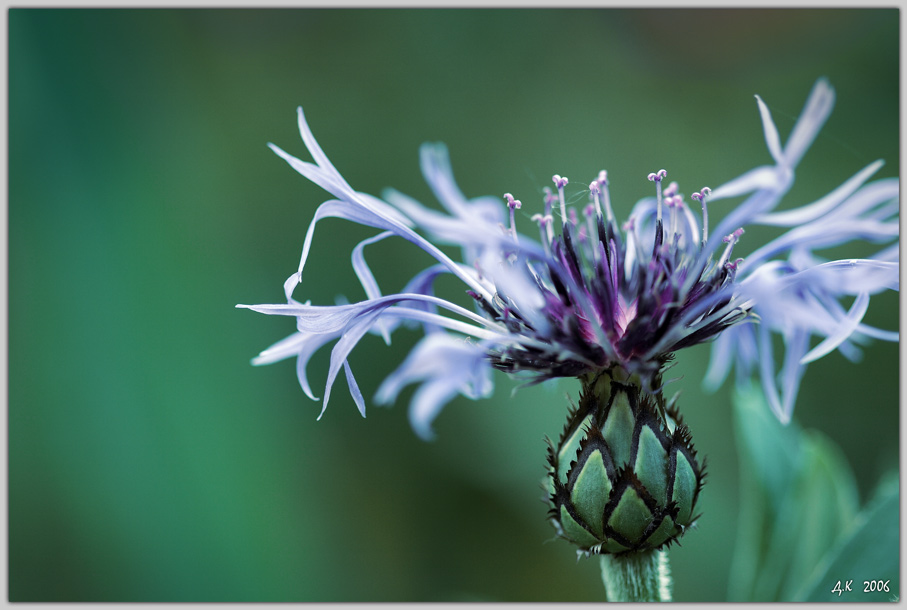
(148, 461)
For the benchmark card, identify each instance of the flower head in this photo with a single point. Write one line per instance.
(590, 294)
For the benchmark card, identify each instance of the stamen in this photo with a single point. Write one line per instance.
(545, 231)
(674, 202)
(731, 268)
(606, 195)
(549, 200)
(657, 178)
(730, 240)
(590, 213)
(671, 190)
(560, 183)
(630, 229)
(573, 218)
(513, 204)
(702, 196)
(596, 190)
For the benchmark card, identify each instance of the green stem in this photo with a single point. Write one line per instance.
(637, 577)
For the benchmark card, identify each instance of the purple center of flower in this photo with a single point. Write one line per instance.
(612, 298)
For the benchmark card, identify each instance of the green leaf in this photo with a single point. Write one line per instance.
(797, 495)
(868, 554)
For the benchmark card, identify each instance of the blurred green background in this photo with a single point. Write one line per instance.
(148, 461)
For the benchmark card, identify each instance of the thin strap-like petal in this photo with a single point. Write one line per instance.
(807, 213)
(772, 139)
(792, 372)
(846, 328)
(812, 118)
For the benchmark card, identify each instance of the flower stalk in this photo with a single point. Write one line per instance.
(637, 577)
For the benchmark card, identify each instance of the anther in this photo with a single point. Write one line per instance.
(674, 202)
(513, 204)
(730, 240)
(560, 183)
(657, 177)
(630, 229)
(596, 190)
(545, 231)
(549, 200)
(731, 268)
(671, 190)
(603, 185)
(591, 229)
(702, 196)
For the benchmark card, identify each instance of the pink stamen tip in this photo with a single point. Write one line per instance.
(696, 196)
(589, 211)
(662, 174)
(559, 181)
(594, 187)
(603, 177)
(671, 190)
(652, 177)
(572, 213)
(734, 236)
(508, 197)
(705, 192)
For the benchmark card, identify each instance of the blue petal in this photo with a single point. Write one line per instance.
(767, 374)
(367, 279)
(446, 365)
(846, 328)
(813, 116)
(426, 403)
(792, 372)
(772, 139)
(354, 388)
(720, 360)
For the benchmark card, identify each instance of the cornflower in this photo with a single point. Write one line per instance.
(608, 304)
(591, 297)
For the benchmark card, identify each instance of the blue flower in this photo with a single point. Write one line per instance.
(590, 294)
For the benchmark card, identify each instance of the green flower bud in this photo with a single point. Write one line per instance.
(624, 475)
